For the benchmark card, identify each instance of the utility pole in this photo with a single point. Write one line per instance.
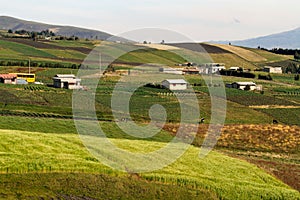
(100, 62)
(29, 66)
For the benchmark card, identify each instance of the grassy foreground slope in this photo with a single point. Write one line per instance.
(229, 178)
(91, 186)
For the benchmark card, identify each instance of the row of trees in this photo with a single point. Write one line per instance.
(39, 64)
(45, 33)
(291, 52)
(237, 73)
(42, 34)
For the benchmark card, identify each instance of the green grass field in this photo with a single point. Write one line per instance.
(228, 178)
(87, 186)
(24, 50)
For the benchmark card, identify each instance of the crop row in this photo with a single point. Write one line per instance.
(36, 88)
(33, 114)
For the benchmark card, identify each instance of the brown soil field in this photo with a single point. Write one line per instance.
(273, 148)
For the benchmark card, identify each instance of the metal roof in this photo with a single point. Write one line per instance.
(8, 76)
(176, 81)
(65, 75)
(245, 83)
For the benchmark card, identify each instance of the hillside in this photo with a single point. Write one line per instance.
(7, 23)
(43, 140)
(287, 39)
(216, 175)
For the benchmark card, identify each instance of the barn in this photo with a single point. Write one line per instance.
(175, 84)
(67, 81)
(244, 85)
(8, 78)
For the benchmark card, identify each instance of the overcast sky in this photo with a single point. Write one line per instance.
(200, 20)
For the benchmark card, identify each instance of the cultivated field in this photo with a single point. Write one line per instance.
(42, 155)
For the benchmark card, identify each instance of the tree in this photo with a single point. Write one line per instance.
(297, 55)
(10, 31)
(34, 36)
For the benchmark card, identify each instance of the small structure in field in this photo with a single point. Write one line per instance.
(67, 81)
(244, 85)
(273, 70)
(8, 78)
(211, 68)
(175, 84)
(236, 69)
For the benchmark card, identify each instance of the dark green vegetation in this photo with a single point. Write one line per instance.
(57, 185)
(42, 157)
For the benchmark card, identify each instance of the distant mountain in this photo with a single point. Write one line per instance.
(288, 39)
(7, 23)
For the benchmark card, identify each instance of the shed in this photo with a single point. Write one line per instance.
(67, 81)
(175, 84)
(8, 78)
(244, 85)
(274, 70)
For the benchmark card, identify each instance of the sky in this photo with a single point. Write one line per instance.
(199, 20)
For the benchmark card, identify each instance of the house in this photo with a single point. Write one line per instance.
(244, 85)
(8, 78)
(67, 81)
(175, 84)
(236, 69)
(211, 68)
(274, 70)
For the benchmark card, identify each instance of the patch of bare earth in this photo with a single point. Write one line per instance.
(273, 148)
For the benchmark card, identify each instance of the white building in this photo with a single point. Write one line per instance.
(274, 70)
(235, 68)
(211, 68)
(175, 84)
(243, 85)
(67, 81)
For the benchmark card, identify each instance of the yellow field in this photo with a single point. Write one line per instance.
(242, 52)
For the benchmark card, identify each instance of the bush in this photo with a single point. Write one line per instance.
(262, 77)
(237, 73)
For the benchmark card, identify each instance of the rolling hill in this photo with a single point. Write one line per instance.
(7, 23)
(42, 140)
(287, 39)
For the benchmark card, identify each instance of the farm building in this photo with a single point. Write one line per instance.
(175, 84)
(8, 78)
(211, 68)
(67, 81)
(243, 85)
(274, 70)
(236, 69)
